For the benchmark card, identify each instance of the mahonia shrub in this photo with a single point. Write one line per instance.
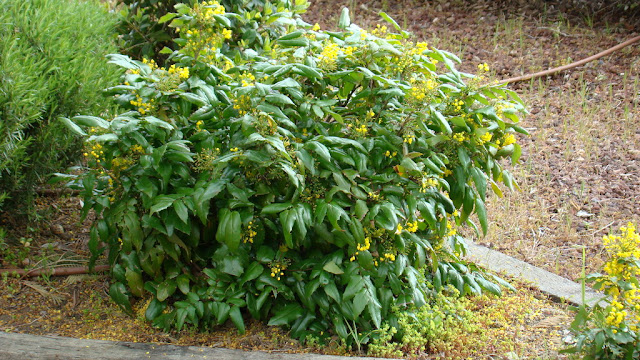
(609, 330)
(316, 182)
(52, 63)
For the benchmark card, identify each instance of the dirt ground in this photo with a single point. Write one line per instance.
(579, 173)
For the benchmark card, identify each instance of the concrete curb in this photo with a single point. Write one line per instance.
(25, 346)
(555, 286)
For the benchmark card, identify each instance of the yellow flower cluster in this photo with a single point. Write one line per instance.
(137, 149)
(486, 137)
(426, 183)
(250, 234)
(457, 105)
(366, 246)
(316, 27)
(242, 104)
(390, 154)
(420, 89)
(508, 140)
(362, 130)
(624, 252)
(277, 270)
(419, 48)
(208, 9)
(363, 35)
(143, 107)
(379, 31)
(500, 108)
(616, 314)
(183, 73)
(96, 152)
(120, 163)
(406, 60)
(362, 247)
(329, 56)
(389, 257)
(621, 247)
(247, 79)
(483, 67)
(460, 137)
(348, 51)
(451, 231)
(204, 43)
(373, 196)
(409, 139)
(151, 63)
(412, 226)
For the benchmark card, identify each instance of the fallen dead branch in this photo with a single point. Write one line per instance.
(59, 271)
(572, 65)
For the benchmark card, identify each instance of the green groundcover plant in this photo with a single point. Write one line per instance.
(609, 330)
(52, 63)
(315, 181)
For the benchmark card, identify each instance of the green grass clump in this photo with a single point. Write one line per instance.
(51, 64)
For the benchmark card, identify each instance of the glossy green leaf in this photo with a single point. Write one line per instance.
(229, 228)
(356, 284)
(181, 210)
(388, 19)
(72, 126)
(344, 21)
(183, 283)
(332, 268)
(286, 315)
(134, 281)
(118, 293)
(165, 289)
(279, 99)
(360, 301)
(236, 318)
(161, 202)
(232, 266)
(154, 309)
(254, 270)
(332, 291)
(481, 210)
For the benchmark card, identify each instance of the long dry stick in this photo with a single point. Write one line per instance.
(59, 271)
(570, 66)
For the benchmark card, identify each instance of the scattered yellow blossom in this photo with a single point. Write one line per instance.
(483, 67)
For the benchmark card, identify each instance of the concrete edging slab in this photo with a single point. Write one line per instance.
(551, 284)
(24, 346)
